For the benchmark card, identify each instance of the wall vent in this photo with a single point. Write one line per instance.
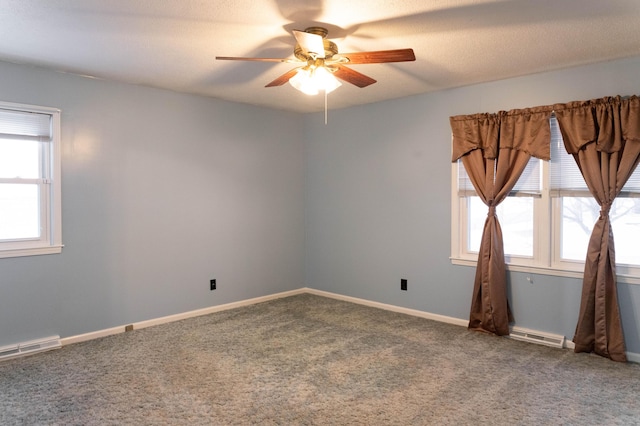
(30, 347)
(540, 338)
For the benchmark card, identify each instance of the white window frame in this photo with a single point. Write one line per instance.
(546, 239)
(50, 241)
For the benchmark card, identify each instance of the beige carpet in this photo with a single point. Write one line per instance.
(310, 360)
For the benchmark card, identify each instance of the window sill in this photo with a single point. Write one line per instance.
(31, 251)
(626, 279)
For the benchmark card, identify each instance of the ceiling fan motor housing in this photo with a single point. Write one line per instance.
(330, 48)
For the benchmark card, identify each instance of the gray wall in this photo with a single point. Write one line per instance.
(378, 197)
(161, 192)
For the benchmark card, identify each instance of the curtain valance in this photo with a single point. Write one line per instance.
(522, 129)
(609, 122)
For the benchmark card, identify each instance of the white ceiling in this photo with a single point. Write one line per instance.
(172, 43)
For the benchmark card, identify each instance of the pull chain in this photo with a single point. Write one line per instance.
(325, 108)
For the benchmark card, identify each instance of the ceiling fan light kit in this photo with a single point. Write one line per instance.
(311, 81)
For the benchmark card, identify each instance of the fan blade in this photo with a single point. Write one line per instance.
(283, 78)
(353, 77)
(310, 43)
(236, 58)
(380, 56)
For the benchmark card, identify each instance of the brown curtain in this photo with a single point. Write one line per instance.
(495, 149)
(603, 135)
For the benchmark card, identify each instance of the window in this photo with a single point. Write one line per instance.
(547, 219)
(30, 204)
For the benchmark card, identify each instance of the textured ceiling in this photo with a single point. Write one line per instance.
(172, 43)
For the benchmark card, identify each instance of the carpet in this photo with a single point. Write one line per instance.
(311, 360)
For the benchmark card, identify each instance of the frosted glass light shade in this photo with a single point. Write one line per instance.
(311, 81)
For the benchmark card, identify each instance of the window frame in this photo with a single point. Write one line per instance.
(49, 188)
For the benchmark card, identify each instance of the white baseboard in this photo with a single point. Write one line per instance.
(177, 317)
(393, 308)
(631, 356)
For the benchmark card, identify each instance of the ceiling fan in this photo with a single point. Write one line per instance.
(320, 63)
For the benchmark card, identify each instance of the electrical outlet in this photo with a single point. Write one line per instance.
(403, 284)
(212, 284)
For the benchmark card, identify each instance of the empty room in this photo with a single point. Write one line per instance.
(318, 212)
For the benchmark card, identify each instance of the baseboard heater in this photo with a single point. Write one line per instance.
(540, 338)
(30, 347)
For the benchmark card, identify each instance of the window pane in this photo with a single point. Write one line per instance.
(516, 220)
(579, 214)
(625, 221)
(19, 159)
(19, 211)
(477, 216)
